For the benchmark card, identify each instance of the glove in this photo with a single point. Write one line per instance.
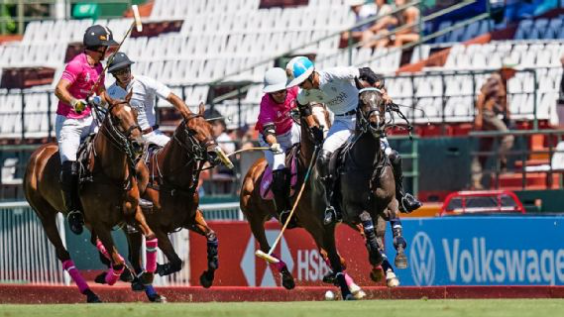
(95, 100)
(317, 133)
(276, 148)
(78, 105)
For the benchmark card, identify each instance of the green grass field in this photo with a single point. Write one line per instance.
(384, 308)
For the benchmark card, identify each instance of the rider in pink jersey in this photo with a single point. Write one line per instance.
(74, 119)
(279, 133)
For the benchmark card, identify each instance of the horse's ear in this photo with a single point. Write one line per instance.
(129, 94)
(201, 109)
(107, 97)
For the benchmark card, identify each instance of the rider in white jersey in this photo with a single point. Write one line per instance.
(145, 91)
(337, 89)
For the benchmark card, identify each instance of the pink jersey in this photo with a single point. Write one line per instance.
(82, 78)
(279, 114)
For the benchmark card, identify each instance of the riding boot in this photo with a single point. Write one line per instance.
(407, 203)
(280, 189)
(69, 187)
(331, 214)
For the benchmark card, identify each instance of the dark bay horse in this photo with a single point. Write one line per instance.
(109, 198)
(258, 211)
(171, 180)
(366, 186)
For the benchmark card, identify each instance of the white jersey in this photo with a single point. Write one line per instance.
(337, 90)
(145, 90)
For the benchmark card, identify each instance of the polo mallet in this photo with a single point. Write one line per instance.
(138, 26)
(267, 256)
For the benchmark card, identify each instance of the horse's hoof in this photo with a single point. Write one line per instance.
(329, 278)
(206, 279)
(391, 279)
(360, 294)
(157, 298)
(100, 278)
(161, 270)
(126, 275)
(137, 286)
(377, 274)
(288, 281)
(91, 297)
(401, 261)
(349, 297)
(147, 278)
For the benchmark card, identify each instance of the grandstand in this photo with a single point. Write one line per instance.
(217, 52)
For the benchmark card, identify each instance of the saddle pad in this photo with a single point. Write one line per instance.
(266, 182)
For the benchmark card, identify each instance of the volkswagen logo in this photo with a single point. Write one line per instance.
(422, 260)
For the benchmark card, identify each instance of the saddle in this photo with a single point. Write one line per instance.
(291, 165)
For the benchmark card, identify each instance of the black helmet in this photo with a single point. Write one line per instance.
(120, 61)
(98, 35)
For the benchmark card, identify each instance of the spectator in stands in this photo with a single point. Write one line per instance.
(145, 91)
(493, 115)
(337, 89)
(361, 12)
(278, 132)
(82, 76)
(383, 27)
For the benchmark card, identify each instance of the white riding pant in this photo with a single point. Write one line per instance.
(156, 137)
(70, 134)
(340, 132)
(286, 140)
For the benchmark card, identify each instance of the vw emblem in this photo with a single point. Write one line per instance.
(422, 260)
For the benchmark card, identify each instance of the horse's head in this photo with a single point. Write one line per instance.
(200, 140)
(321, 116)
(372, 111)
(121, 123)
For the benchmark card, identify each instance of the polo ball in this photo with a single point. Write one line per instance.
(329, 295)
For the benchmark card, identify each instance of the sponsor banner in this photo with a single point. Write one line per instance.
(483, 251)
(240, 267)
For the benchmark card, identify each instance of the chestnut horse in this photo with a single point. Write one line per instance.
(258, 211)
(108, 197)
(171, 180)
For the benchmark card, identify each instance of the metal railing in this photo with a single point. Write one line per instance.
(521, 156)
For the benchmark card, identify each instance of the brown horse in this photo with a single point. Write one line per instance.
(109, 196)
(258, 211)
(171, 181)
(366, 186)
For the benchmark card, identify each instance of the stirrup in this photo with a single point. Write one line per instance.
(330, 216)
(408, 204)
(76, 221)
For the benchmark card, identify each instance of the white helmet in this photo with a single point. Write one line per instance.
(290, 67)
(275, 80)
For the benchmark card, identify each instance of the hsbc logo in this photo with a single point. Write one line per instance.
(422, 260)
(249, 261)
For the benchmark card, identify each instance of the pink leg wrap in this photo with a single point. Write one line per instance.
(151, 246)
(68, 265)
(348, 279)
(112, 276)
(103, 250)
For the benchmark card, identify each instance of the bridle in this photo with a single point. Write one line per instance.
(363, 122)
(118, 139)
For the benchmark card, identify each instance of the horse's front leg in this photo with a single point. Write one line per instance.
(198, 224)
(106, 246)
(151, 243)
(374, 255)
(335, 260)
